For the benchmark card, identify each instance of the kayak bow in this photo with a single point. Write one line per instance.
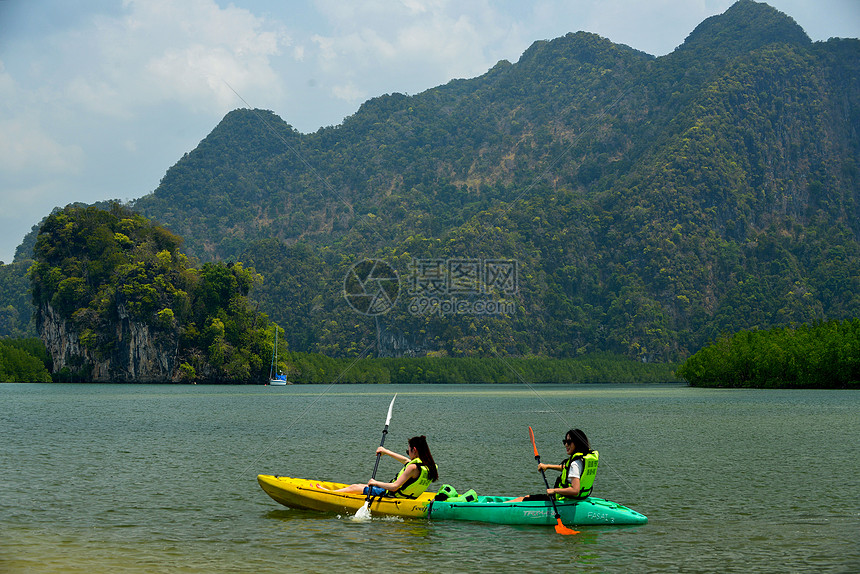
(317, 495)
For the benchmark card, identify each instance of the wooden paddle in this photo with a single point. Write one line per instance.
(364, 511)
(559, 527)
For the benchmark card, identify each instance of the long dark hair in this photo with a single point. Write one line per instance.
(420, 443)
(580, 441)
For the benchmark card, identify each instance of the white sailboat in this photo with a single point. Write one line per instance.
(275, 378)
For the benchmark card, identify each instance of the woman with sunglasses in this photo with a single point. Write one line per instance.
(577, 471)
(418, 471)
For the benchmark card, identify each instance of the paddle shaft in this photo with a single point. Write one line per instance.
(560, 528)
(381, 444)
(546, 482)
(379, 454)
(542, 473)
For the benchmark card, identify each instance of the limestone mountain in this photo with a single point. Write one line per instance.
(650, 203)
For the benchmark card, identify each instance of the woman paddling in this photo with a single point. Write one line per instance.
(577, 471)
(418, 471)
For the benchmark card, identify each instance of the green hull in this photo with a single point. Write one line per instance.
(499, 510)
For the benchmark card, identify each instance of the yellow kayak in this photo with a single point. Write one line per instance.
(318, 495)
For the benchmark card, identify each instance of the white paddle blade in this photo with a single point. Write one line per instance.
(363, 513)
(390, 408)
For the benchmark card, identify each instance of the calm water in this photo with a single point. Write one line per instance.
(106, 478)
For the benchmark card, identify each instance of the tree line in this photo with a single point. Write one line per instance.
(819, 355)
(24, 361)
(312, 368)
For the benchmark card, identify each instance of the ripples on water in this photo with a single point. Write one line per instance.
(105, 478)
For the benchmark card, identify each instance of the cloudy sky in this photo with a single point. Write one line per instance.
(98, 98)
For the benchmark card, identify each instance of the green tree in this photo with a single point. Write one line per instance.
(98, 268)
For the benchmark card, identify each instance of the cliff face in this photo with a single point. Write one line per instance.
(138, 355)
(398, 344)
(113, 292)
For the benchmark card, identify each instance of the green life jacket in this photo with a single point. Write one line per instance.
(586, 479)
(413, 487)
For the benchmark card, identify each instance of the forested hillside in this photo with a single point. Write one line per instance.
(650, 204)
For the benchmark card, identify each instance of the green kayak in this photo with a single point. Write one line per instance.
(499, 510)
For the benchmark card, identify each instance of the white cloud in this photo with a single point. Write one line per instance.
(326, 47)
(25, 146)
(181, 52)
(97, 96)
(379, 46)
(349, 92)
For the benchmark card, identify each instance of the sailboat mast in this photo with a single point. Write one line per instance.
(274, 356)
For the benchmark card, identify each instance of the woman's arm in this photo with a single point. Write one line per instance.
(402, 459)
(412, 471)
(543, 466)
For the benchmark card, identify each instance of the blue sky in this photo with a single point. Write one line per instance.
(98, 98)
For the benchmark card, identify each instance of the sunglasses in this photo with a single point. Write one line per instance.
(566, 442)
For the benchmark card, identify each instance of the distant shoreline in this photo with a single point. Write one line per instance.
(596, 368)
(599, 368)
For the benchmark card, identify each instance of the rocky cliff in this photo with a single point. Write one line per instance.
(136, 355)
(117, 301)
